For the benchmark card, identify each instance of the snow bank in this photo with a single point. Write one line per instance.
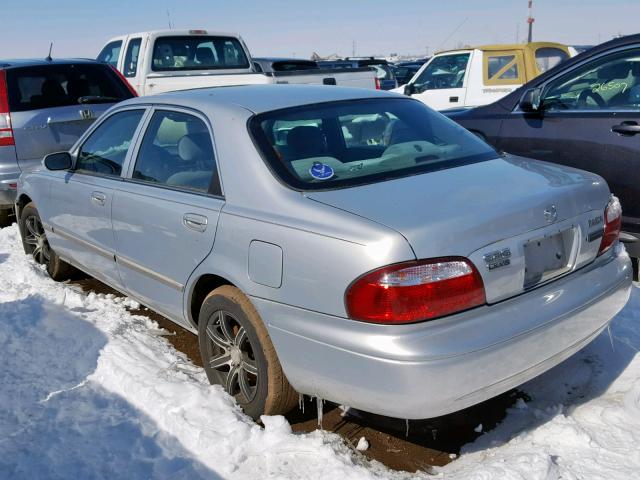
(88, 390)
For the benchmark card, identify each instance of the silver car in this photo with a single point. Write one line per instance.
(347, 244)
(45, 105)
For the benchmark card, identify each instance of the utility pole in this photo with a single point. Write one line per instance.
(530, 21)
(353, 48)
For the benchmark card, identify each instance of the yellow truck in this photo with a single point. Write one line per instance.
(470, 77)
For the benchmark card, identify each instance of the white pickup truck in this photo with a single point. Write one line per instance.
(168, 60)
(471, 77)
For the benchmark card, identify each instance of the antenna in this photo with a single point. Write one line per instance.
(530, 21)
(451, 34)
(169, 20)
(48, 59)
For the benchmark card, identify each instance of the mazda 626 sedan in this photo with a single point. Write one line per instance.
(347, 244)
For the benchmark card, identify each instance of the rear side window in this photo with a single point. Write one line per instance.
(106, 148)
(110, 53)
(549, 57)
(177, 152)
(340, 144)
(503, 68)
(59, 85)
(131, 58)
(198, 53)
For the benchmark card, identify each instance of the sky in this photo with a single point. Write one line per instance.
(79, 28)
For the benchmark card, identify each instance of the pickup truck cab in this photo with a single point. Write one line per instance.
(471, 77)
(169, 60)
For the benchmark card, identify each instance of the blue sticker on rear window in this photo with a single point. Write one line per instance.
(321, 171)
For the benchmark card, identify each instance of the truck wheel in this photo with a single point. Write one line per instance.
(237, 354)
(35, 243)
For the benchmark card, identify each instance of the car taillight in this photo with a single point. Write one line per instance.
(6, 132)
(612, 225)
(377, 83)
(124, 80)
(415, 291)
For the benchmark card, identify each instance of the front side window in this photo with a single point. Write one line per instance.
(549, 57)
(198, 53)
(606, 83)
(177, 152)
(106, 148)
(131, 58)
(444, 71)
(110, 53)
(341, 144)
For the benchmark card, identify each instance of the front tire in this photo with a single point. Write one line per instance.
(237, 353)
(35, 243)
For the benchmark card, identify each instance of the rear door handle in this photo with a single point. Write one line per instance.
(98, 198)
(195, 222)
(626, 128)
(454, 99)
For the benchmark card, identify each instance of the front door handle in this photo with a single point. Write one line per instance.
(626, 129)
(195, 222)
(98, 198)
(454, 99)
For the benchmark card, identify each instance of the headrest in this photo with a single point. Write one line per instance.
(617, 71)
(204, 55)
(194, 146)
(306, 141)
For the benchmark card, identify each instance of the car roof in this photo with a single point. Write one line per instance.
(33, 62)
(260, 98)
(282, 59)
(507, 46)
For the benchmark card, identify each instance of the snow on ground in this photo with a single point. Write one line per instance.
(88, 390)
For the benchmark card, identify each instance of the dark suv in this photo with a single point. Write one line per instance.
(45, 105)
(584, 113)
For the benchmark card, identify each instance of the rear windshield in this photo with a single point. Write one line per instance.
(197, 52)
(340, 144)
(55, 85)
(289, 65)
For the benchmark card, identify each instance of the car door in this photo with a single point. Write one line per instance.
(166, 213)
(589, 119)
(442, 83)
(79, 211)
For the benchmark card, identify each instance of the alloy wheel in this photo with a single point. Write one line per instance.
(231, 356)
(36, 238)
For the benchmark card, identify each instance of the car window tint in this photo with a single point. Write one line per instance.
(110, 53)
(445, 71)
(338, 144)
(549, 57)
(106, 148)
(197, 53)
(177, 152)
(131, 58)
(606, 83)
(59, 85)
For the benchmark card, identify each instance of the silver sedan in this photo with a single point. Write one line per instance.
(347, 244)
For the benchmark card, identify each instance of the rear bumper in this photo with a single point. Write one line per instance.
(434, 368)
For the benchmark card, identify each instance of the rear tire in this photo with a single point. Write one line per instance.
(35, 243)
(238, 354)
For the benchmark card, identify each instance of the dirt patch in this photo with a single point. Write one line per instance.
(418, 445)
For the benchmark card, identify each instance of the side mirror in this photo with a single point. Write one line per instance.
(409, 89)
(58, 161)
(531, 101)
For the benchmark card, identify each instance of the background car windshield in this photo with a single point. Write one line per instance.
(198, 53)
(445, 71)
(32, 88)
(340, 144)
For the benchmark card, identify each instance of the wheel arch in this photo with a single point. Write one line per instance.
(21, 202)
(202, 287)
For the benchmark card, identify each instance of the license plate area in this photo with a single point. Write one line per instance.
(548, 257)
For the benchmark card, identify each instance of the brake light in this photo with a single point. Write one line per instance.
(124, 80)
(377, 83)
(415, 291)
(612, 224)
(6, 132)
